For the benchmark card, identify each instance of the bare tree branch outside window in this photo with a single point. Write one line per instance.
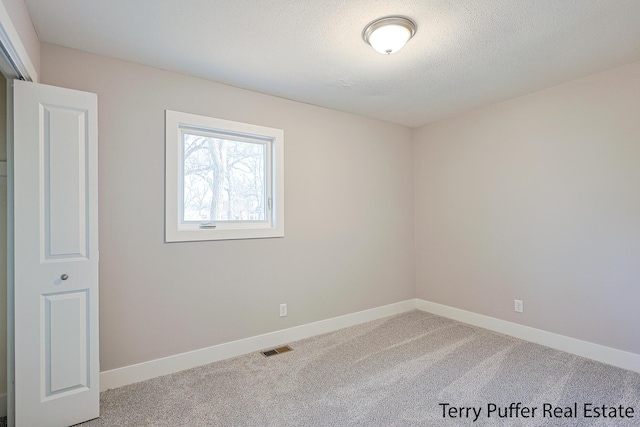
(224, 180)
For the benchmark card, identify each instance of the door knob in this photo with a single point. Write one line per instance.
(64, 277)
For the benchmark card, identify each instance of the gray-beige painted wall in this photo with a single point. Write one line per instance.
(534, 198)
(537, 199)
(349, 231)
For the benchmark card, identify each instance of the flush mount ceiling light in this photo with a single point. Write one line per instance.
(389, 34)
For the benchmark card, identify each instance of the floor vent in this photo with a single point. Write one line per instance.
(275, 351)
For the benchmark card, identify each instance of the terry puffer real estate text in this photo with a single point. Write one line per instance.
(547, 410)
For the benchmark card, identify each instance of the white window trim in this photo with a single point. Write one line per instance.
(175, 230)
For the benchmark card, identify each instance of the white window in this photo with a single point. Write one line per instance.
(224, 180)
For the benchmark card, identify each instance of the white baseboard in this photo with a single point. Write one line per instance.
(143, 371)
(600, 353)
(3, 405)
(168, 365)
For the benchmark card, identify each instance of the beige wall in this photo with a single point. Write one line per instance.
(535, 199)
(349, 216)
(538, 199)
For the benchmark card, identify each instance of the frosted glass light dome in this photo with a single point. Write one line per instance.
(388, 35)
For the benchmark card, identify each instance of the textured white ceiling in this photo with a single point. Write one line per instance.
(465, 54)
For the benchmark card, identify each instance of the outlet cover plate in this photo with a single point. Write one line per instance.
(518, 306)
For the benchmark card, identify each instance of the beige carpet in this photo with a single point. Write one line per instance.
(398, 371)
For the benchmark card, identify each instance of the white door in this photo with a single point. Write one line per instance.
(55, 177)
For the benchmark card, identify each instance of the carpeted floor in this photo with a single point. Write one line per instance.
(399, 371)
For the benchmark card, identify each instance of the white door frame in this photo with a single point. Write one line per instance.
(10, 408)
(14, 64)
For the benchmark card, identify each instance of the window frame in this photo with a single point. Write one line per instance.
(177, 230)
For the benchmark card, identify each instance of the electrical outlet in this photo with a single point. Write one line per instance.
(283, 310)
(518, 305)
